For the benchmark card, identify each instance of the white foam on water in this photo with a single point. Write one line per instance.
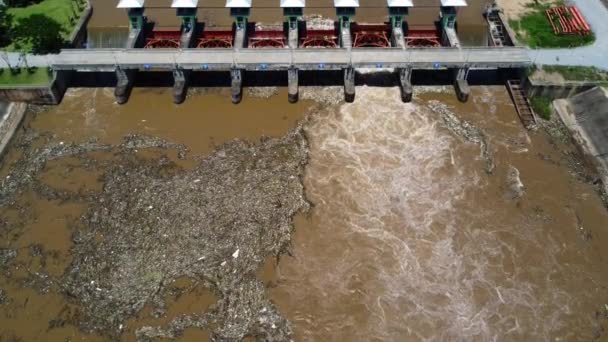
(398, 260)
(396, 177)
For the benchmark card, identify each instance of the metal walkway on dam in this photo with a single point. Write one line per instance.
(284, 59)
(182, 62)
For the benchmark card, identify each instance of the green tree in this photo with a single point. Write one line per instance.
(5, 26)
(21, 3)
(43, 34)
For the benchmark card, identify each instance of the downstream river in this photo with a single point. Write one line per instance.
(408, 238)
(317, 221)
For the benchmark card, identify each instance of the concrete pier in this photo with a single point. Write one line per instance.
(186, 38)
(345, 38)
(135, 39)
(293, 38)
(180, 85)
(398, 39)
(124, 84)
(405, 82)
(239, 38)
(449, 37)
(237, 85)
(292, 88)
(461, 85)
(349, 84)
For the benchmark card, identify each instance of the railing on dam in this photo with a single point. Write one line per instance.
(284, 58)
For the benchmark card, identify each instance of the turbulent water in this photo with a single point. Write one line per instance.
(410, 237)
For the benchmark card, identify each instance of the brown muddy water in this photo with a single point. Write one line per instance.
(409, 238)
(108, 25)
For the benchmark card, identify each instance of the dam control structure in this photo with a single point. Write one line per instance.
(195, 50)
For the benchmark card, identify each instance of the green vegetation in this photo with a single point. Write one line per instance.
(535, 30)
(32, 76)
(542, 106)
(41, 27)
(578, 73)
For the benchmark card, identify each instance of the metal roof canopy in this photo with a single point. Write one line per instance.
(184, 4)
(400, 3)
(238, 3)
(293, 3)
(346, 3)
(453, 3)
(131, 4)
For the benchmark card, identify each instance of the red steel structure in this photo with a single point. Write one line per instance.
(267, 39)
(163, 40)
(567, 20)
(423, 36)
(319, 39)
(216, 39)
(371, 35)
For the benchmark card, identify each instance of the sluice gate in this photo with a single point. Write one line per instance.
(378, 36)
(319, 39)
(266, 38)
(215, 40)
(423, 36)
(163, 39)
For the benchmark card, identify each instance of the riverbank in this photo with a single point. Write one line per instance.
(586, 117)
(10, 120)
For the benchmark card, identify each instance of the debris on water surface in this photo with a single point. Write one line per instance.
(514, 185)
(3, 297)
(6, 256)
(466, 131)
(155, 222)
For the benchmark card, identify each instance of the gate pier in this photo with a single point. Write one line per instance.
(124, 84)
(236, 76)
(461, 85)
(180, 85)
(405, 82)
(292, 88)
(349, 84)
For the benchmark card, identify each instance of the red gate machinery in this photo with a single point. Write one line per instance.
(371, 35)
(164, 39)
(216, 39)
(266, 38)
(423, 36)
(319, 39)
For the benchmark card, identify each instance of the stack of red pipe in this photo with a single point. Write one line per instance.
(567, 20)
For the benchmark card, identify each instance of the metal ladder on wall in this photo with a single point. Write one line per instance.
(496, 30)
(522, 104)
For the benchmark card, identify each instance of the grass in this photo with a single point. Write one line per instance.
(535, 30)
(33, 76)
(542, 106)
(578, 73)
(64, 12)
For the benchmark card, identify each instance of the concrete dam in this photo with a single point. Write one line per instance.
(195, 51)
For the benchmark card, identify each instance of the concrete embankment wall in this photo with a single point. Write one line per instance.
(51, 94)
(556, 90)
(9, 122)
(586, 116)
